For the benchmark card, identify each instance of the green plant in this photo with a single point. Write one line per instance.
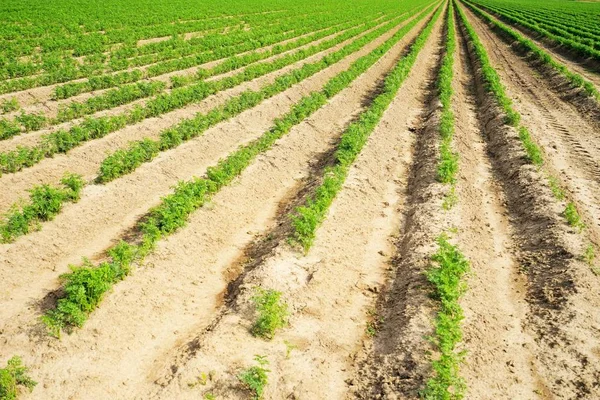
(31, 122)
(272, 313)
(125, 161)
(209, 396)
(556, 189)
(572, 216)
(13, 376)
(45, 203)
(289, 347)
(8, 105)
(589, 254)
(450, 199)
(255, 378)
(534, 154)
(72, 309)
(446, 277)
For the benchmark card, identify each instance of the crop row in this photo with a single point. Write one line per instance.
(85, 286)
(62, 141)
(109, 80)
(45, 203)
(307, 218)
(131, 92)
(588, 36)
(449, 264)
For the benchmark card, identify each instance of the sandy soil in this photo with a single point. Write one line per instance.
(361, 307)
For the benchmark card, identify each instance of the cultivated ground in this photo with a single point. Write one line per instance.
(364, 319)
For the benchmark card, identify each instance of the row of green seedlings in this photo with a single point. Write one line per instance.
(109, 80)
(135, 91)
(130, 55)
(558, 36)
(125, 161)
(448, 159)
(9, 105)
(171, 60)
(307, 218)
(47, 69)
(62, 140)
(533, 152)
(449, 264)
(85, 286)
(123, 40)
(13, 377)
(45, 202)
(541, 55)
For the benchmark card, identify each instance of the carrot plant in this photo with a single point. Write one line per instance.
(272, 313)
(13, 376)
(9, 105)
(533, 153)
(63, 140)
(539, 54)
(255, 378)
(449, 266)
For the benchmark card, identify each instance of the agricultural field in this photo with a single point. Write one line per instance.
(360, 199)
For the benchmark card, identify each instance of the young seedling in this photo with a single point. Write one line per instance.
(288, 348)
(13, 376)
(272, 313)
(255, 378)
(573, 217)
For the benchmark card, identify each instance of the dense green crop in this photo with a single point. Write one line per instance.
(573, 25)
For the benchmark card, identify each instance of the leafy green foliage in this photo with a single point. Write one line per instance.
(589, 254)
(255, 378)
(13, 376)
(534, 154)
(567, 33)
(62, 141)
(272, 313)
(573, 217)
(448, 160)
(125, 161)
(8, 105)
(536, 52)
(446, 278)
(45, 203)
